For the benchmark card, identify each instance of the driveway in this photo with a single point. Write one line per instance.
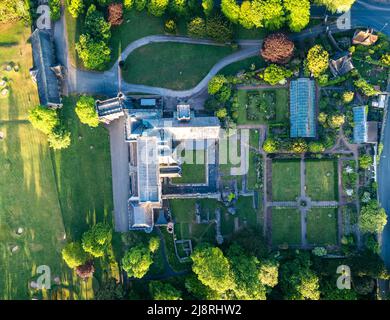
(120, 174)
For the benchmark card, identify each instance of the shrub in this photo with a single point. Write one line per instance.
(85, 110)
(140, 4)
(196, 28)
(74, 255)
(348, 96)
(298, 146)
(55, 9)
(275, 74)
(316, 147)
(270, 145)
(366, 88)
(216, 83)
(157, 7)
(219, 29)
(385, 59)
(170, 26)
(365, 161)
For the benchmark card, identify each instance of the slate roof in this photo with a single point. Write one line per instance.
(302, 108)
(360, 124)
(341, 64)
(44, 68)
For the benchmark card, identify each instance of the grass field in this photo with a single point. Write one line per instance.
(286, 226)
(195, 170)
(242, 65)
(321, 179)
(28, 194)
(280, 106)
(172, 65)
(285, 180)
(322, 226)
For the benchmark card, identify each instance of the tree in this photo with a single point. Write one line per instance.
(336, 121)
(348, 96)
(75, 7)
(323, 119)
(115, 14)
(231, 10)
(277, 48)
(275, 74)
(372, 218)
(196, 28)
(270, 145)
(198, 290)
(154, 244)
(85, 110)
(137, 261)
(110, 290)
(385, 59)
(140, 4)
(365, 161)
(298, 14)
(245, 269)
(218, 29)
(336, 5)
(55, 9)
(94, 54)
(298, 281)
(128, 4)
(248, 15)
(316, 147)
(271, 13)
(13, 10)
(366, 88)
(74, 255)
(43, 119)
(269, 273)
(207, 6)
(299, 146)
(221, 113)
(317, 60)
(96, 240)
(224, 93)
(96, 26)
(85, 271)
(212, 268)
(163, 291)
(216, 83)
(157, 7)
(329, 291)
(179, 7)
(59, 138)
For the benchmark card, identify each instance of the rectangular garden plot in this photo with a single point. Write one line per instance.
(321, 180)
(285, 180)
(322, 226)
(286, 226)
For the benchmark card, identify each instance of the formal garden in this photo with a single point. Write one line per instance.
(286, 226)
(263, 106)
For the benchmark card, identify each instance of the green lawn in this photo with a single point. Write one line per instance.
(193, 168)
(321, 180)
(285, 180)
(246, 212)
(242, 65)
(276, 100)
(176, 66)
(322, 226)
(286, 226)
(254, 157)
(28, 195)
(229, 157)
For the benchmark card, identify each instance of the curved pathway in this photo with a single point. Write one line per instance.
(107, 83)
